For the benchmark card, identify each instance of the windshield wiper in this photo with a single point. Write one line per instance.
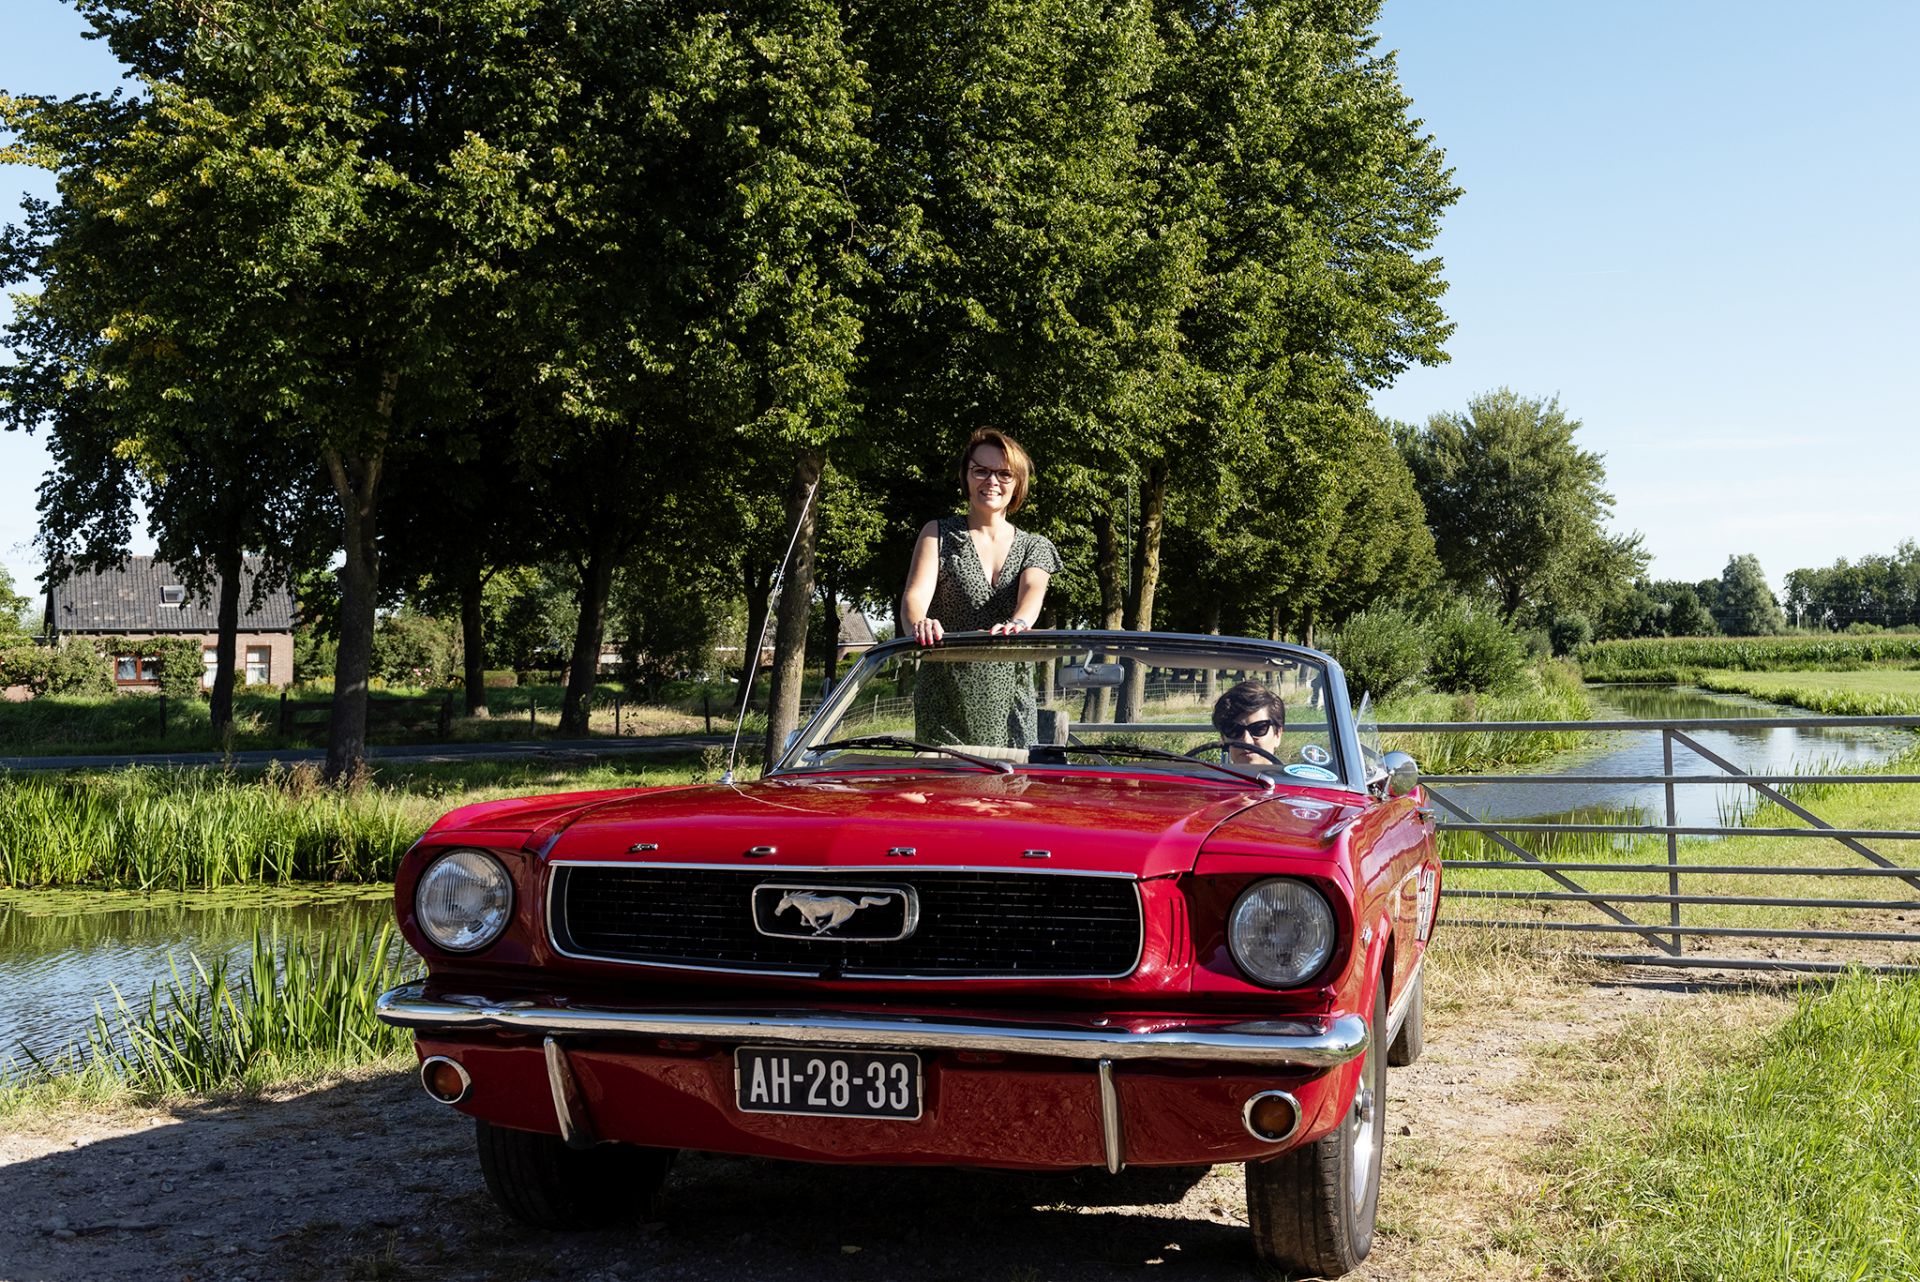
(900, 741)
(1157, 754)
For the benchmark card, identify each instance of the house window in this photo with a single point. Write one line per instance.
(210, 661)
(259, 665)
(173, 594)
(136, 670)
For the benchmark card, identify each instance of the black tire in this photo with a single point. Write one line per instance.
(1312, 1210)
(538, 1180)
(1412, 1037)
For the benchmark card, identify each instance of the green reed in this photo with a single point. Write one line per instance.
(302, 1007)
(162, 829)
(1552, 692)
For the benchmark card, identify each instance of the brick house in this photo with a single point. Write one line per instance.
(145, 598)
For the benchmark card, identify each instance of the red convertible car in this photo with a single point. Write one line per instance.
(1029, 902)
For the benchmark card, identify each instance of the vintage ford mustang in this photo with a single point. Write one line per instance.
(1022, 902)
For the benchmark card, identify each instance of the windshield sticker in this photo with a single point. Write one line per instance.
(1318, 773)
(1316, 754)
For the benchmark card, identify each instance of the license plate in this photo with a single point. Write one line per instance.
(827, 1083)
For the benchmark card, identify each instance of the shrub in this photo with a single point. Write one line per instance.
(499, 679)
(1568, 632)
(24, 664)
(1474, 650)
(77, 668)
(1382, 649)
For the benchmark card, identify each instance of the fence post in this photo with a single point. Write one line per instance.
(533, 726)
(706, 705)
(286, 717)
(1673, 841)
(163, 716)
(616, 716)
(446, 716)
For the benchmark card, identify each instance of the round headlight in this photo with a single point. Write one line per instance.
(463, 901)
(1281, 932)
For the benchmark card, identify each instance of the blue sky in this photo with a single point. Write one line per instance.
(1695, 223)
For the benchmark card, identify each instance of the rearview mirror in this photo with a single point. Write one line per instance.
(1092, 676)
(1403, 776)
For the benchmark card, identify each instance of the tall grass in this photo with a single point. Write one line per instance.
(1799, 1159)
(1681, 658)
(159, 829)
(303, 1007)
(174, 829)
(1551, 692)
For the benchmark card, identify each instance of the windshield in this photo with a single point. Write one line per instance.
(1042, 700)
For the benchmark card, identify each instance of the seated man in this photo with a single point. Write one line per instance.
(1251, 713)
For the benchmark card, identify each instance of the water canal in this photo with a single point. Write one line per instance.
(1811, 749)
(63, 952)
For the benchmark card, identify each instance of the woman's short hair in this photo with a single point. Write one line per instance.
(1242, 701)
(1017, 462)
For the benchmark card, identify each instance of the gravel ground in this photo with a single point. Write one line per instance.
(367, 1178)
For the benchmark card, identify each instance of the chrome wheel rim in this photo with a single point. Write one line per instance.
(1364, 1118)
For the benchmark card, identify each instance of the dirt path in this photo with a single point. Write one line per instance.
(368, 1179)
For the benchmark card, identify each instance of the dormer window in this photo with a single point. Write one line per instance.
(173, 594)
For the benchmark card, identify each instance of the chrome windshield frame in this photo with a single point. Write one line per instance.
(1339, 706)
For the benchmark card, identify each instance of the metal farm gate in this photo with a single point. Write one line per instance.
(1865, 895)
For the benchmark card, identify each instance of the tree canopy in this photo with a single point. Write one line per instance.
(1517, 508)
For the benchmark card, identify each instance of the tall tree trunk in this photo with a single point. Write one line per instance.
(473, 641)
(796, 602)
(830, 663)
(596, 582)
(1146, 579)
(1110, 566)
(758, 576)
(1210, 684)
(356, 481)
(227, 563)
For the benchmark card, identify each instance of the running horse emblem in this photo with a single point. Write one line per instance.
(826, 912)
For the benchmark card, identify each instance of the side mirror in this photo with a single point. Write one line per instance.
(1403, 776)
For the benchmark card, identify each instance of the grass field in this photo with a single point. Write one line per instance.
(1784, 1152)
(1870, 692)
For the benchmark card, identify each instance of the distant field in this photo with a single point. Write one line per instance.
(1872, 692)
(1683, 658)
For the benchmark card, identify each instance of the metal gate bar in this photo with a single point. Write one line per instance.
(1669, 937)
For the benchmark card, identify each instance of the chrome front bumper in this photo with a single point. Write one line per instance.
(1274, 1043)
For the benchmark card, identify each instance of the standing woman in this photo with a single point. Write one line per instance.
(978, 573)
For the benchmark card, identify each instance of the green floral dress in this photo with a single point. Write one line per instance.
(983, 703)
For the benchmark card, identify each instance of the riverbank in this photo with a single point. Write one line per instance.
(1875, 692)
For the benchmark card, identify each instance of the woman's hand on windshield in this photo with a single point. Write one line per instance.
(928, 631)
(1011, 626)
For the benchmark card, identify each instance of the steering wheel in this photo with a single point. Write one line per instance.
(1224, 746)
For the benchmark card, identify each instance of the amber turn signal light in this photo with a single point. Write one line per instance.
(1272, 1116)
(445, 1080)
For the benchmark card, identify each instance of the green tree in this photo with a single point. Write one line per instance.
(1516, 506)
(318, 194)
(16, 610)
(1746, 606)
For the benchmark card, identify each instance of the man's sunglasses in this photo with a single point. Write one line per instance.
(1258, 729)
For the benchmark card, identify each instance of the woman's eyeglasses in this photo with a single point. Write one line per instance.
(1258, 729)
(981, 475)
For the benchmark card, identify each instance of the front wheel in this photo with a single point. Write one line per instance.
(538, 1180)
(1312, 1210)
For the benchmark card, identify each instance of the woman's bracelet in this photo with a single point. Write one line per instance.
(1022, 622)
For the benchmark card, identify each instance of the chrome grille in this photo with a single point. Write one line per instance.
(973, 925)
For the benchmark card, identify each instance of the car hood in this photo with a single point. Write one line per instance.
(1140, 825)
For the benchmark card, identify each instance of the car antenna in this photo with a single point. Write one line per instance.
(753, 661)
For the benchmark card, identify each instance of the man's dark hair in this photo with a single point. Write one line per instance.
(1242, 701)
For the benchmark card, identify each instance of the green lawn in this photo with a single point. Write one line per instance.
(1789, 1153)
(1869, 692)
